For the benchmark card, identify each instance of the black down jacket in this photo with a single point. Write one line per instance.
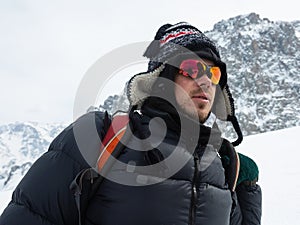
(143, 187)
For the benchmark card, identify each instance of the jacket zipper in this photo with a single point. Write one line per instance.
(194, 190)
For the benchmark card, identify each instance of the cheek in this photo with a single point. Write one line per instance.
(181, 94)
(177, 91)
(181, 89)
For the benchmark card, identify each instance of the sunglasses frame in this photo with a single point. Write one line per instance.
(207, 70)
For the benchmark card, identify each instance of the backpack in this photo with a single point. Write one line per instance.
(87, 181)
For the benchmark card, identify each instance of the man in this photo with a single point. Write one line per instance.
(175, 168)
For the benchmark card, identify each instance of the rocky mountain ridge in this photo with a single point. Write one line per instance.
(20, 145)
(263, 65)
(263, 61)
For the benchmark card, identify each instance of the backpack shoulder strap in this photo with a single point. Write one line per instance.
(111, 140)
(111, 146)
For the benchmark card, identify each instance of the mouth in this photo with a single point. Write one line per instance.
(201, 96)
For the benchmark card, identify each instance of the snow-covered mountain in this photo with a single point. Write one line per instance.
(20, 145)
(263, 60)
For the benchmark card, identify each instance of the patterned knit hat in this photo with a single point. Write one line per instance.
(176, 40)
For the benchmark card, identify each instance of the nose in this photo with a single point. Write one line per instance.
(203, 81)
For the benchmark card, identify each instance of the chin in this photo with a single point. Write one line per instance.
(197, 112)
(197, 115)
(202, 114)
(202, 117)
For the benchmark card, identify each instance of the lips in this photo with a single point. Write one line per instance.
(201, 96)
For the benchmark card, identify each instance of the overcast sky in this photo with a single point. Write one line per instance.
(46, 47)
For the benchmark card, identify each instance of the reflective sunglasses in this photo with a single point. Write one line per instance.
(196, 68)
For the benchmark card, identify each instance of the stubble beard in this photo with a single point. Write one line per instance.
(194, 111)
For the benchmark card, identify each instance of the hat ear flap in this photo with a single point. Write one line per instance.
(220, 105)
(223, 80)
(223, 108)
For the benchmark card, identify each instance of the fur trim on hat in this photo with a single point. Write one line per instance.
(139, 86)
(179, 39)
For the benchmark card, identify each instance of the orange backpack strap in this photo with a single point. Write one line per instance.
(108, 149)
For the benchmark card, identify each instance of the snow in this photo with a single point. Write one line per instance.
(5, 197)
(276, 154)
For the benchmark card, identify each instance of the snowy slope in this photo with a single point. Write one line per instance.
(277, 154)
(263, 59)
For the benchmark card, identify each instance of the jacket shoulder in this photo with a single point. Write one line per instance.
(82, 137)
(51, 175)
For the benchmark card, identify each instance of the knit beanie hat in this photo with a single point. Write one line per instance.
(182, 39)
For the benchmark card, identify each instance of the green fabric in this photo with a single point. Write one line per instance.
(248, 169)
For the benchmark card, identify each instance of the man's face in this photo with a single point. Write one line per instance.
(195, 96)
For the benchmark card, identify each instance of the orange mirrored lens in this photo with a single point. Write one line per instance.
(216, 75)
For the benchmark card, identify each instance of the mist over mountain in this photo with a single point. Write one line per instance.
(263, 62)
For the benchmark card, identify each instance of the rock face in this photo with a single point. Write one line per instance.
(20, 145)
(263, 61)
